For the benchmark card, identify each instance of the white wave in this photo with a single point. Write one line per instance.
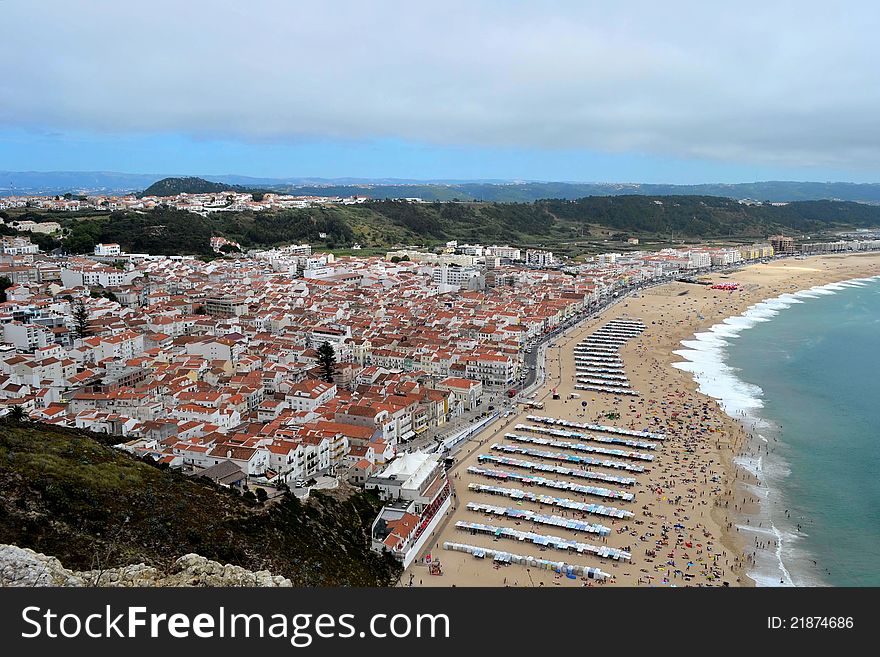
(704, 357)
(780, 542)
(753, 466)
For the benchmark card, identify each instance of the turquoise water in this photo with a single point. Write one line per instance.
(817, 364)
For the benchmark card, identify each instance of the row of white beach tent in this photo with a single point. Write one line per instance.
(582, 350)
(602, 341)
(552, 483)
(602, 382)
(614, 390)
(614, 326)
(617, 332)
(561, 502)
(594, 349)
(540, 518)
(528, 561)
(599, 368)
(613, 355)
(596, 356)
(556, 469)
(604, 331)
(541, 419)
(565, 433)
(579, 447)
(600, 360)
(567, 458)
(544, 540)
(602, 376)
(600, 352)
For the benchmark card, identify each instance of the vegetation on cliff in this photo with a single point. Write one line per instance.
(68, 494)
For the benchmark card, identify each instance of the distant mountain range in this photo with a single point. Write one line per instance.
(60, 182)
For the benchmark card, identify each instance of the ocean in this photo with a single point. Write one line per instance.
(802, 372)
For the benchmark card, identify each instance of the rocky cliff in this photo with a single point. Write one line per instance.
(24, 567)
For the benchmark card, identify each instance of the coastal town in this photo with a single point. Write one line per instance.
(438, 327)
(203, 204)
(286, 370)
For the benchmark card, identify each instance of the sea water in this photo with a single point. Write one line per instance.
(802, 372)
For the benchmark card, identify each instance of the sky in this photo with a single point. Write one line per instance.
(677, 92)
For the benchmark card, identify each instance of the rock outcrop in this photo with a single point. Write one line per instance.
(24, 567)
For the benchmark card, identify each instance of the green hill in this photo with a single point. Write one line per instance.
(64, 493)
(188, 185)
(555, 223)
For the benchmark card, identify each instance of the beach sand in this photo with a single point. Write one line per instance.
(692, 482)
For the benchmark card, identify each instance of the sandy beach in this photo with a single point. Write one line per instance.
(687, 500)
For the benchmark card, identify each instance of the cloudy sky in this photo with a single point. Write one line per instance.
(591, 91)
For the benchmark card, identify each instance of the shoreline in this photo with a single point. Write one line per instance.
(762, 470)
(696, 468)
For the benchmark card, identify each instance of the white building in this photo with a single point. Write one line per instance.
(460, 276)
(107, 250)
(26, 337)
(419, 495)
(308, 395)
(726, 257)
(92, 276)
(699, 259)
(471, 249)
(18, 246)
(508, 252)
(493, 370)
(536, 258)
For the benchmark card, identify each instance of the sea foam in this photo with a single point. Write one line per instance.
(705, 358)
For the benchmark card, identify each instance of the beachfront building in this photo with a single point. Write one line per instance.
(418, 495)
(493, 370)
(726, 257)
(756, 251)
(699, 259)
(782, 245)
(466, 393)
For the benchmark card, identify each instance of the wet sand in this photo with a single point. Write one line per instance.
(689, 499)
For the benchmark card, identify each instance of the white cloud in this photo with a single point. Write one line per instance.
(788, 83)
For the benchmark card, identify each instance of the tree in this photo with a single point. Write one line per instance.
(327, 361)
(80, 319)
(262, 495)
(17, 414)
(4, 283)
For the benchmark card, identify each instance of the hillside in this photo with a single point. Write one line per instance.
(64, 493)
(187, 185)
(569, 226)
(527, 192)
